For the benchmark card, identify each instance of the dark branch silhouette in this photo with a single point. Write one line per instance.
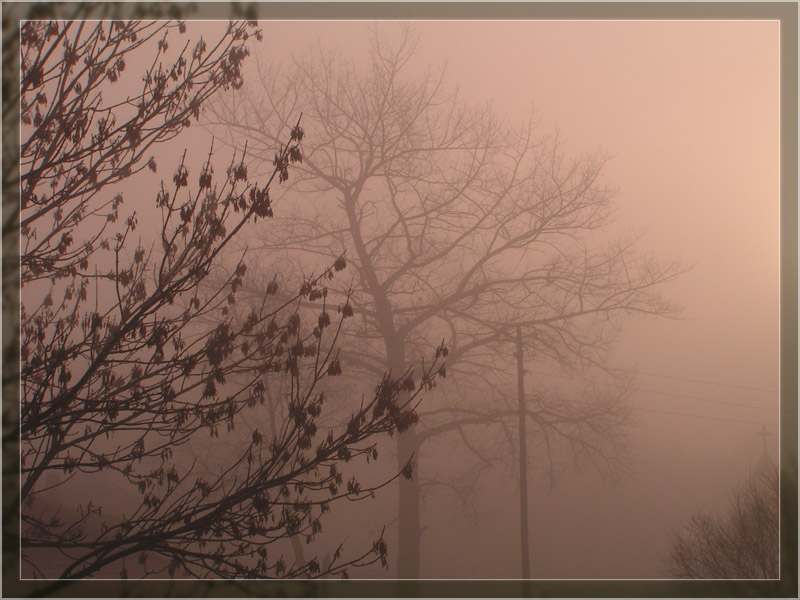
(127, 354)
(741, 544)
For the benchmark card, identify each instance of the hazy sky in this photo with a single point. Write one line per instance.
(689, 113)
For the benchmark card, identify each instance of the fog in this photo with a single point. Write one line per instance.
(689, 113)
(678, 122)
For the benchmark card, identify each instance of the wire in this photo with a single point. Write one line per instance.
(669, 498)
(654, 472)
(687, 397)
(679, 414)
(730, 385)
(728, 402)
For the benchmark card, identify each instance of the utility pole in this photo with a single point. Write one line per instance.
(523, 462)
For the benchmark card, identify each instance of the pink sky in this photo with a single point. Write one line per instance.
(689, 112)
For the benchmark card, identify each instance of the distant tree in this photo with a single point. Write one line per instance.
(742, 544)
(126, 355)
(458, 227)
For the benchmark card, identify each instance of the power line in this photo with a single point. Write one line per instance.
(679, 414)
(653, 471)
(667, 497)
(685, 396)
(706, 381)
(728, 402)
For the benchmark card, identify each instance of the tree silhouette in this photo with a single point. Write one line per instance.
(742, 544)
(126, 355)
(459, 228)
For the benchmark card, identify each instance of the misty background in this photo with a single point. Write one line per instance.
(688, 113)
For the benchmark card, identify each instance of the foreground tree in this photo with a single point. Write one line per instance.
(126, 355)
(742, 544)
(458, 228)
(13, 15)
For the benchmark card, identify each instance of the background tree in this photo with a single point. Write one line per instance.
(742, 544)
(458, 227)
(126, 356)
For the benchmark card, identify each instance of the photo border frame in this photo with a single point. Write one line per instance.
(786, 586)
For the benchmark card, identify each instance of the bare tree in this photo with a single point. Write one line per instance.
(742, 544)
(458, 228)
(126, 356)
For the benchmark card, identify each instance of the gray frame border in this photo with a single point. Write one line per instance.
(785, 12)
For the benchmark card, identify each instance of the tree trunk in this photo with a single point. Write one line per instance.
(408, 508)
(407, 442)
(409, 530)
